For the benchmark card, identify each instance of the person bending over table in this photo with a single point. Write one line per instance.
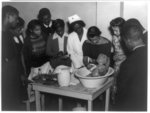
(95, 45)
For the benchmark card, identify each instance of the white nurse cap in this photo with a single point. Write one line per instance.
(73, 18)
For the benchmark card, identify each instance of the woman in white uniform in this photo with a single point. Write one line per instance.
(75, 40)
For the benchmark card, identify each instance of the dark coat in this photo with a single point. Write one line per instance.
(19, 45)
(132, 82)
(93, 51)
(11, 73)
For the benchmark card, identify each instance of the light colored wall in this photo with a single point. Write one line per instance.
(93, 13)
(86, 10)
(106, 11)
(137, 10)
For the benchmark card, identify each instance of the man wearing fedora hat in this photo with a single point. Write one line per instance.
(76, 39)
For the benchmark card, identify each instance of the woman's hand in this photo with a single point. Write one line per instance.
(87, 60)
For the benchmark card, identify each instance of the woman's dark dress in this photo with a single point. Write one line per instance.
(93, 51)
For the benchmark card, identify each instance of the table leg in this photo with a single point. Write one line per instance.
(107, 99)
(38, 101)
(43, 102)
(28, 105)
(60, 103)
(90, 106)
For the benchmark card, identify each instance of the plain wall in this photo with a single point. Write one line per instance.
(86, 10)
(92, 13)
(106, 11)
(138, 10)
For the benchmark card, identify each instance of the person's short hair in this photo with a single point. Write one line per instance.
(117, 22)
(31, 25)
(20, 23)
(93, 31)
(43, 12)
(134, 21)
(131, 32)
(9, 10)
(59, 23)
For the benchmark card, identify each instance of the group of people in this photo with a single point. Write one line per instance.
(46, 42)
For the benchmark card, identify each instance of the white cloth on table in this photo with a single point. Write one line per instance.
(44, 69)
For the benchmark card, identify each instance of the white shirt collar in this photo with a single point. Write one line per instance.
(50, 24)
(56, 36)
(16, 39)
(21, 38)
(138, 47)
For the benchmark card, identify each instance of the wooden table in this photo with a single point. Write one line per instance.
(77, 91)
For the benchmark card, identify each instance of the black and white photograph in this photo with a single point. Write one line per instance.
(74, 55)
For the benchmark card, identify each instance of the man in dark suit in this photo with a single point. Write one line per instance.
(11, 63)
(132, 78)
